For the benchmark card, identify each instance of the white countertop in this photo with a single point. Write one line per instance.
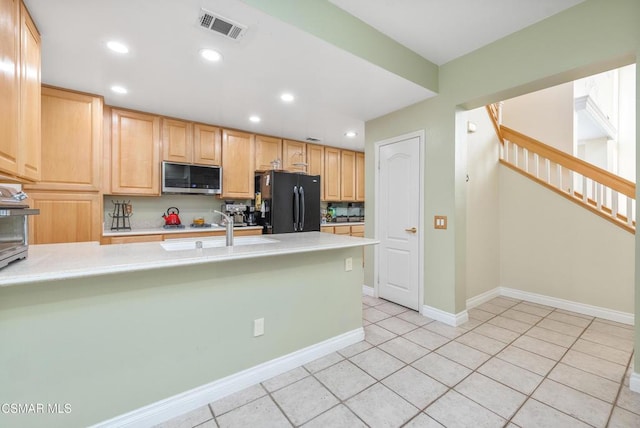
(62, 261)
(162, 231)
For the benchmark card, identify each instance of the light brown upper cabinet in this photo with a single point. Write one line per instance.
(20, 99)
(29, 155)
(294, 156)
(331, 174)
(72, 141)
(315, 161)
(347, 175)
(207, 148)
(268, 149)
(188, 142)
(177, 140)
(359, 177)
(135, 153)
(238, 157)
(9, 85)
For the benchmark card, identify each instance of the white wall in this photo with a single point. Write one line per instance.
(627, 123)
(545, 115)
(483, 270)
(553, 247)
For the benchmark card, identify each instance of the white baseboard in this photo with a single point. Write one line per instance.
(483, 298)
(634, 382)
(445, 317)
(177, 405)
(368, 291)
(581, 308)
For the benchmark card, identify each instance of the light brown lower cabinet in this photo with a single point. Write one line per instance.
(129, 239)
(65, 217)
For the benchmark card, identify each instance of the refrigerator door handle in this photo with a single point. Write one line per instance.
(296, 208)
(301, 191)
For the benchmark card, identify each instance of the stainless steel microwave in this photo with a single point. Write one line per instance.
(191, 179)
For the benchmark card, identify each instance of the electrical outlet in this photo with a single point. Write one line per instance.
(258, 327)
(348, 264)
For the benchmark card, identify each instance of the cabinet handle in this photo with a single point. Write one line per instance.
(412, 230)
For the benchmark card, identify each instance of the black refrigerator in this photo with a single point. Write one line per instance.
(290, 202)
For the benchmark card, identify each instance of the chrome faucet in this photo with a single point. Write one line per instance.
(229, 225)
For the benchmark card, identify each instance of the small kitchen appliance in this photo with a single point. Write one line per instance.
(171, 218)
(237, 211)
(191, 179)
(14, 233)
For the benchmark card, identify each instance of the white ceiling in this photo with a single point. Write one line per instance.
(442, 30)
(335, 90)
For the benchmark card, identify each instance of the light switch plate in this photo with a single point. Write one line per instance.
(348, 264)
(258, 327)
(440, 222)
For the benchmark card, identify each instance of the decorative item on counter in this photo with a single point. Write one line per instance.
(122, 211)
(171, 218)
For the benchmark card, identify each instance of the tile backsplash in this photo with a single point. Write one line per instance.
(148, 211)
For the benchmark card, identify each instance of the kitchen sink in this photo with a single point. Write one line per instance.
(191, 244)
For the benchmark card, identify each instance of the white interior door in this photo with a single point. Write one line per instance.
(399, 215)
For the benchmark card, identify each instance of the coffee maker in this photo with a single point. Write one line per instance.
(237, 211)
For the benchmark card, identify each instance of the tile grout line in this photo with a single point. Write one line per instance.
(449, 340)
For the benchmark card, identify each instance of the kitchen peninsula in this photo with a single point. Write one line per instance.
(91, 327)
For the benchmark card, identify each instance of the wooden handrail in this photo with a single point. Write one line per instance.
(492, 109)
(618, 184)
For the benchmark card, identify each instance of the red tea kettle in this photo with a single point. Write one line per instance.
(171, 218)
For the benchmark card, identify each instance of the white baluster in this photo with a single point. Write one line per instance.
(585, 198)
(547, 164)
(526, 159)
(614, 204)
(599, 196)
(630, 215)
(559, 173)
(507, 145)
(516, 149)
(536, 159)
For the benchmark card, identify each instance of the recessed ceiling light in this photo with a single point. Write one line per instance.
(287, 97)
(350, 134)
(254, 119)
(118, 47)
(210, 55)
(119, 89)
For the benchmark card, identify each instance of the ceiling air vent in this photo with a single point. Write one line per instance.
(221, 25)
(313, 140)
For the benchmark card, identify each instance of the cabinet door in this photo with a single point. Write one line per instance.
(347, 175)
(29, 136)
(71, 141)
(65, 217)
(237, 165)
(133, 239)
(315, 161)
(135, 153)
(359, 177)
(9, 85)
(268, 149)
(294, 156)
(342, 230)
(331, 174)
(177, 140)
(207, 144)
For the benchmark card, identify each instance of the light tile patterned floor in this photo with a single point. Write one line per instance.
(514, 364)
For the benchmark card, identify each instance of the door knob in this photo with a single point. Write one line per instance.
(412, 230)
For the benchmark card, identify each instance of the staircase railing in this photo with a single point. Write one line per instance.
(606, 194)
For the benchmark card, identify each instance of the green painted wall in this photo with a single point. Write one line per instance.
(564, 47)
(108, 345)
